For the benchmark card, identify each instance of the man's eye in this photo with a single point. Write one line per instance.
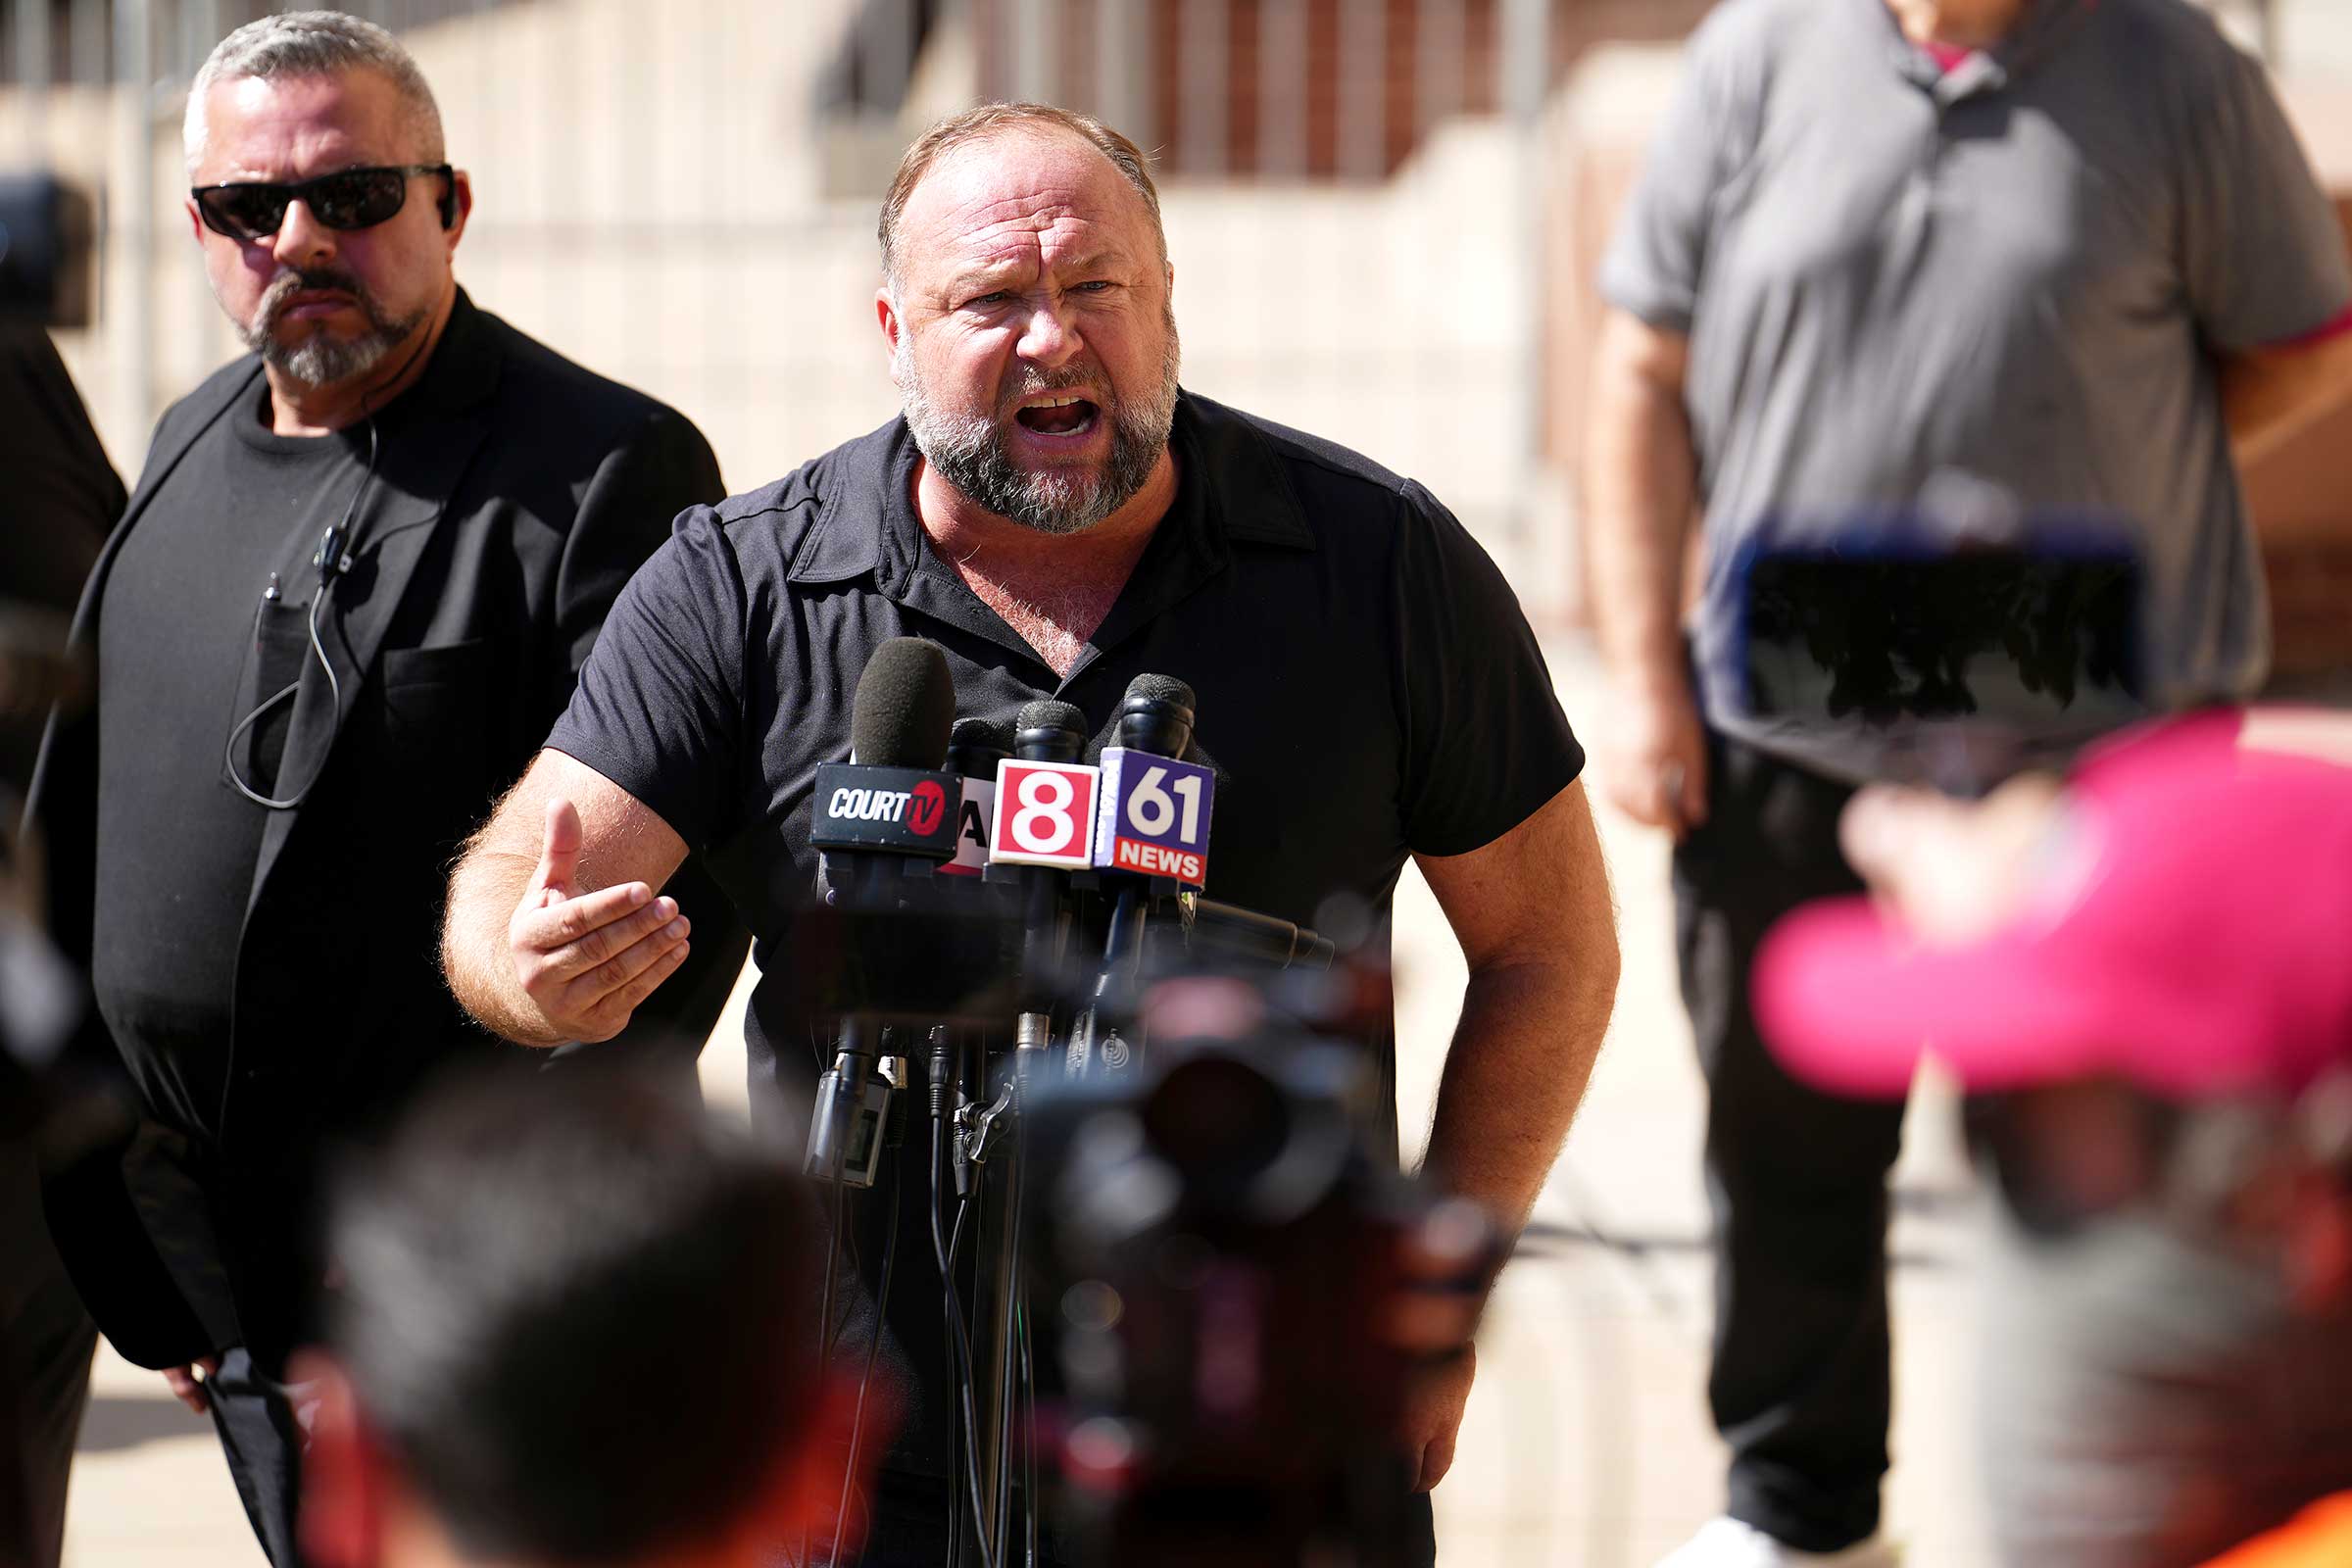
(1100, 285)
(999, 296)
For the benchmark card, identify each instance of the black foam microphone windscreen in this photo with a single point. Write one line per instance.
(1051, 731)
(1164, 688)
(1155, 715)
(905, 706)
(979, 738)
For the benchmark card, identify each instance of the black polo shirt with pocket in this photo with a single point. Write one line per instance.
(1367, 685)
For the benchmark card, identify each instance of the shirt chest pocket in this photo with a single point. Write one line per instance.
(436, 702)
(430, 729)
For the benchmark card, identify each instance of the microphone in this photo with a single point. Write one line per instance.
(882, 814)
(1156, 808)
(974, 749)
(1151, 834)
(890, 807)
(1043, 822)
(1266, 938)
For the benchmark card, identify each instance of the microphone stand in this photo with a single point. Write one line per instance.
(994, 1144)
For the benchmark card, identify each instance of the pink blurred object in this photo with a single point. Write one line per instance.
(2198, 943)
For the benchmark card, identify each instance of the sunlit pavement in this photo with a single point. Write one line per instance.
(1587, 1441)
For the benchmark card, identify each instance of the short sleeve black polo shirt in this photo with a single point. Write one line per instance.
(1368, 687)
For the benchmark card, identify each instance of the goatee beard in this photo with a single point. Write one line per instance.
(318, 359)
(970, 452)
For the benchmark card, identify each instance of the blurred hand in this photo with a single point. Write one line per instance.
(187, 1387)
(586, 961)
(1654, 756)
(1956, 871)
(1433, 1413)
(1448, 1263)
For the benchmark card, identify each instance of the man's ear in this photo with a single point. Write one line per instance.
(195, 220)
(886, 316)
(459, 208)
(344, 1471)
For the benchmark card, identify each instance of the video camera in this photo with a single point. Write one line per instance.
(1217, 1252)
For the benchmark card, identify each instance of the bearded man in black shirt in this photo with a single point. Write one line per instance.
(357, 580)
(1059, 516)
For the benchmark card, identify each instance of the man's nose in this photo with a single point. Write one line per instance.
(1049, 337)
(301, 238)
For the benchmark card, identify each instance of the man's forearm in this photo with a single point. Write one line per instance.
(1641, 488)
(483, 891)
(2270, 396)
(1517, 1069)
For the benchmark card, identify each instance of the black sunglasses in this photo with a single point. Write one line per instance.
(349, 198)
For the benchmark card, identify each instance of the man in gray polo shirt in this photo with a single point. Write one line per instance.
(2062, 253)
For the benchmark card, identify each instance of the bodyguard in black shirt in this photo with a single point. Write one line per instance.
(1059, 516)
(355, 584)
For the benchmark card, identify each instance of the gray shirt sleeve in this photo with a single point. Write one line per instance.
(2262, 255)
(1660, 253)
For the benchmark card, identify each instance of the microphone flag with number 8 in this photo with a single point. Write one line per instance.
(1045, 814)
(1155, 817)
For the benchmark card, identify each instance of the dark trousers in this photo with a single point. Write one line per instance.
(45, 1383)
(1797, 1180)
(262, 1436)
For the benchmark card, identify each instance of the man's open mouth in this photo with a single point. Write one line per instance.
(1060, 415)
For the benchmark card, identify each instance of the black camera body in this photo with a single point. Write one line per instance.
(1218, 1249)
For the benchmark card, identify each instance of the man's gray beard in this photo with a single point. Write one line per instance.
(969, 451)
(320, 359)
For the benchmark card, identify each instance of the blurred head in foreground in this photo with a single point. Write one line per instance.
(576, 1327)
(2144, 974)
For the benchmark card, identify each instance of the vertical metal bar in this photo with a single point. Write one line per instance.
(88, 43)
(134, 69)
(1439, 33)
(199, 29)
(1363, 88)
(1119, 97)
(1203, 60)
(1523, 66)
(32, 65)
(887, 55)
(1281, 86)
(1032, 52)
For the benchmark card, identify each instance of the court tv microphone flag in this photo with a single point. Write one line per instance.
(892, 798)
(873, 821)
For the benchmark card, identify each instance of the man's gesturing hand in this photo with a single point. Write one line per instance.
(587, 959)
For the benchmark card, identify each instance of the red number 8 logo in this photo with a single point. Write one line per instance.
(1044, 824)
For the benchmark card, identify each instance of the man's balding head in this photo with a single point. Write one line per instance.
(978, 125)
